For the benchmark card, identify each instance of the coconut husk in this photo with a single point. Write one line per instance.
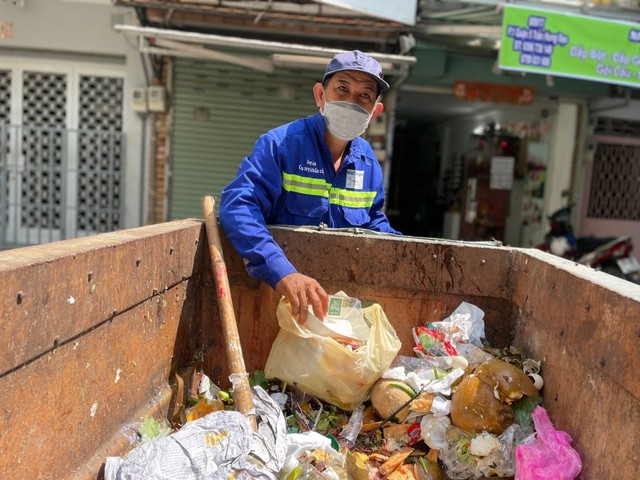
(475, 408)
(387, 398)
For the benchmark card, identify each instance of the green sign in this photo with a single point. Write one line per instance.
(566, 45)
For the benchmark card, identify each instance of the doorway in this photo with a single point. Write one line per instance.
(61, 151)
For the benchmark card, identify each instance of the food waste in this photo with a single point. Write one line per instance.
(456, 410)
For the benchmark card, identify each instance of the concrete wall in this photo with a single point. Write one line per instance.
(561, 151)
(624, 109)
(61, 31)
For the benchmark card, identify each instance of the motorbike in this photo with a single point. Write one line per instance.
(611, 255)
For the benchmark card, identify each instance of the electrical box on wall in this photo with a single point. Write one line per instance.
(139, 100)
(157, 99)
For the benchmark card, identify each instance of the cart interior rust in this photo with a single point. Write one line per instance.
(96, 330)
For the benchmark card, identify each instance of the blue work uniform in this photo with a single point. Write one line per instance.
(289, 179)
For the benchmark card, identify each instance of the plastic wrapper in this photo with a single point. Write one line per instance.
(501, 462)
(458, 461)
(443, 343)
(434, 431)
(483, 444)
(422, 375)
(464, 325)
(207, 388)
(433, 343)
(351, 430)
(325, 366)
(473, 354)
(310, 455)
(496, 457)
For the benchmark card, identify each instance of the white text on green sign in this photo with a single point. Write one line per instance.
(556, 43)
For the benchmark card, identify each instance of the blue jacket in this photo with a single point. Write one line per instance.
(289, 179)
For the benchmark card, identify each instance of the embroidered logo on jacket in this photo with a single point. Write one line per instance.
(311, 167)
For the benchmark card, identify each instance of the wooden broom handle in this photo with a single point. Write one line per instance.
(242, 390)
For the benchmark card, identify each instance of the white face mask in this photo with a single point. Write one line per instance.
(345, 120)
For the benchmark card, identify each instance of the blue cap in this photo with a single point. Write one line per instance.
(360, 62)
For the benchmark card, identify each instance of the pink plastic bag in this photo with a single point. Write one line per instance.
(549, 456)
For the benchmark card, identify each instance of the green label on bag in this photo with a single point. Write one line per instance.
(335, 306)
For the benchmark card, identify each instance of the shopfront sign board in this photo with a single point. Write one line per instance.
(568, 45)
(493, 92)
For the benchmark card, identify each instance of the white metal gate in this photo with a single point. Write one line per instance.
(61, 152)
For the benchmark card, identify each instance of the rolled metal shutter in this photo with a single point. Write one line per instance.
(219, 111)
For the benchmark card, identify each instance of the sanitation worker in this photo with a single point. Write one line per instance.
(311, 171)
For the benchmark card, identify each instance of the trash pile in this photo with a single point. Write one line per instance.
(337, 402)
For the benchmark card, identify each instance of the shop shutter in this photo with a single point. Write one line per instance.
(220, 110)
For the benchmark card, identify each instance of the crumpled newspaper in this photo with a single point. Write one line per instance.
(217, 446)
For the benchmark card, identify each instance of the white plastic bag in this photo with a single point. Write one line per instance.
(300, 445)
(464, 325)
(323, 366)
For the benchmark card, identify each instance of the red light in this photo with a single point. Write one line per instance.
(503, 144)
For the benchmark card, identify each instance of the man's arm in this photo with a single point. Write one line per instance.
(244, 205)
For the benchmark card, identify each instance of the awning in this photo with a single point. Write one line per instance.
(159, 41)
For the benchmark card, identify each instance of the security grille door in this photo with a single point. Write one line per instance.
(44, 118)
(5, 95)
(62, 149)
(5, 119)
(100, 154)
(614, 191)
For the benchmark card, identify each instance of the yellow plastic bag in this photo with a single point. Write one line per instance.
(319, 364)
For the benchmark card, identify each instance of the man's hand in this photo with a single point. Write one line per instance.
(302, 291)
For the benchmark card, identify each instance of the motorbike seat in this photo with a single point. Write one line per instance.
(589, 244)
